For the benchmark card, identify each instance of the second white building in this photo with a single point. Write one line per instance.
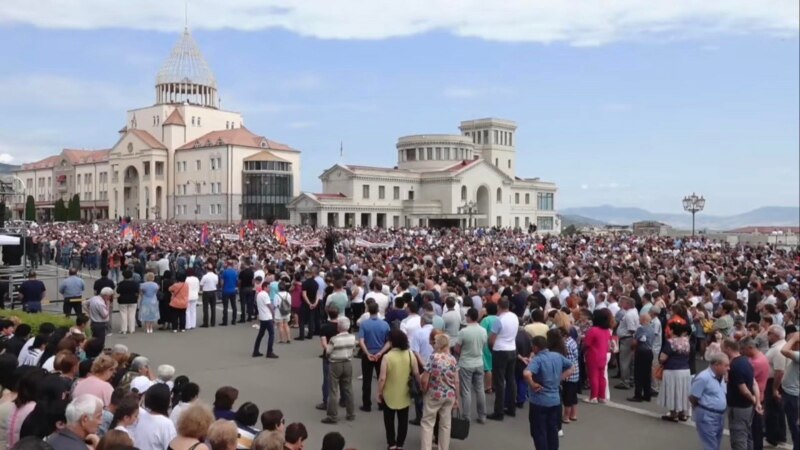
(440, 180)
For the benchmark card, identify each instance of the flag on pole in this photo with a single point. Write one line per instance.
(136, 234)
(154, 237)
(125, 231)
(280, 233)
(204, 235)
(250, 225)
(341, 149)
(241, 233)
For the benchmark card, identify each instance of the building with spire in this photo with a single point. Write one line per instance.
(440, 180)
(182, 158)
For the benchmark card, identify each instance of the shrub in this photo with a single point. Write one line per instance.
(36, 320)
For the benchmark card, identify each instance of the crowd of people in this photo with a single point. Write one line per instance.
(445, 317)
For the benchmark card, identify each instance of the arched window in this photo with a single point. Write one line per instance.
(499, 195)
(463, 193)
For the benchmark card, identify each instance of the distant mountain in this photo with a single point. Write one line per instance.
(7, 168)
(579, 221)
(764, 216)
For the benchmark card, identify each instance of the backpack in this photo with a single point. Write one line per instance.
(285, 307)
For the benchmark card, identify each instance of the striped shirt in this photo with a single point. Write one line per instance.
(340, 347)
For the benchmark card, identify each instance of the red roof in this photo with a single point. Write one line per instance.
(47, 163)
(241, 137)
(148, 139)
(175, 119)
(765, 230)
(77, 157)
(462, 165)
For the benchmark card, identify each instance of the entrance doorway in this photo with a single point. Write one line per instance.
(366, 220)
(483, 206)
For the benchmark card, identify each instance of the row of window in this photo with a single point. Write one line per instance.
(268, 165)
(382, 192)
(500, 137)
(214, 210)
(435, 154)
(146, 168)
(181, 166)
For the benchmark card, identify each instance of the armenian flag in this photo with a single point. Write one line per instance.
(280, 233)
(204, 235)
(251, 225)
(154, 237)
(241, 233)
(125, 231)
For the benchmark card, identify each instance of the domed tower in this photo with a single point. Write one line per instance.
(185, 76)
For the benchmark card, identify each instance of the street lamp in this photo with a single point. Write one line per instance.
(693, 204)
(469, 209)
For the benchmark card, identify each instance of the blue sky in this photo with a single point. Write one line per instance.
(625, 114)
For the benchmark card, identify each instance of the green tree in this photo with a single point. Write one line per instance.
(569, 231)
(30, 208)
(74, 212)
(60, 211)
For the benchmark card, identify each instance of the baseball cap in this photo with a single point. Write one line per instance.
(141, 384)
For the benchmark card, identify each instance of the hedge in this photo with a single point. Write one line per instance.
(36, 320)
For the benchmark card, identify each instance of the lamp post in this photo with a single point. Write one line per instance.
(694, 205)
(469, 208)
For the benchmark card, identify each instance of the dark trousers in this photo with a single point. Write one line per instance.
(269, 327)
(642, 373)
(544, 422)
(326, 379)
(503, 363)
(367, 368)
(308, 318)
(791, 406)
(99, 331)
(399, 438)
(248, 304)
(70, 306)
(209, 308)
(228, 299)
(178, 318)
(356, 310)
(757, 431)
(774, 418)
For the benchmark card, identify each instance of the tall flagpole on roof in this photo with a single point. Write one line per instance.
(341, 150)
(186, 15)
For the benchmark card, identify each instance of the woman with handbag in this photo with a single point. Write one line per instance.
(440, 385)
(399, 373)
(179, 302)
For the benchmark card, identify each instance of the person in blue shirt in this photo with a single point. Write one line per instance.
(230, 280)
(707, 397)
(543, 376)
(373, 338)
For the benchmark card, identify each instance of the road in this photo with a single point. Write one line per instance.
(220, 356)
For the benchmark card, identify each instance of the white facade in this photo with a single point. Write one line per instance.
(181, 158)
(436, 178)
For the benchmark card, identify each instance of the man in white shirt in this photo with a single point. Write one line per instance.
(265, 310)
(380, 298)
(412, 322)
(625, 331)
(420, 344)
(503, 342)
(774, 416)
(208, 285)
(545, 290)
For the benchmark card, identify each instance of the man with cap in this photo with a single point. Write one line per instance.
(99, 313)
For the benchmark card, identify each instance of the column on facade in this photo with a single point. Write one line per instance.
(322, 218)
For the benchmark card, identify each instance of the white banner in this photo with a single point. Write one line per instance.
(364, 243)
(230, 236)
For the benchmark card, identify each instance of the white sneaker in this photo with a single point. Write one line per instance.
(560, 433)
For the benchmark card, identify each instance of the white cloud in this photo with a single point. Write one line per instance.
(578, 22)
(59, 93)
(5, 158)
(610, 186)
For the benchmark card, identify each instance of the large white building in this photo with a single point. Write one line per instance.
(468, 179)
(183, 158)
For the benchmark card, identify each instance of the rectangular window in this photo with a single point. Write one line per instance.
(198, 164)
(516, 222)
(213, 163)
(527, 222)
(544, 223)
(516, 199)
(396, 192)
(527, 199)
(447, 153)
(365, 191)
(429, 153)
(159, 168)
(411, 195)
(197, 188)
(510, 139)
(544, 201)
(219, 209)
(485, 136)
(381, 192)
(509, 163)
(438, 153)
(396, 221)
(79, 180)
(411, 154)
(495, 137)
(147, 168)
(219, 162)
(499, 221)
